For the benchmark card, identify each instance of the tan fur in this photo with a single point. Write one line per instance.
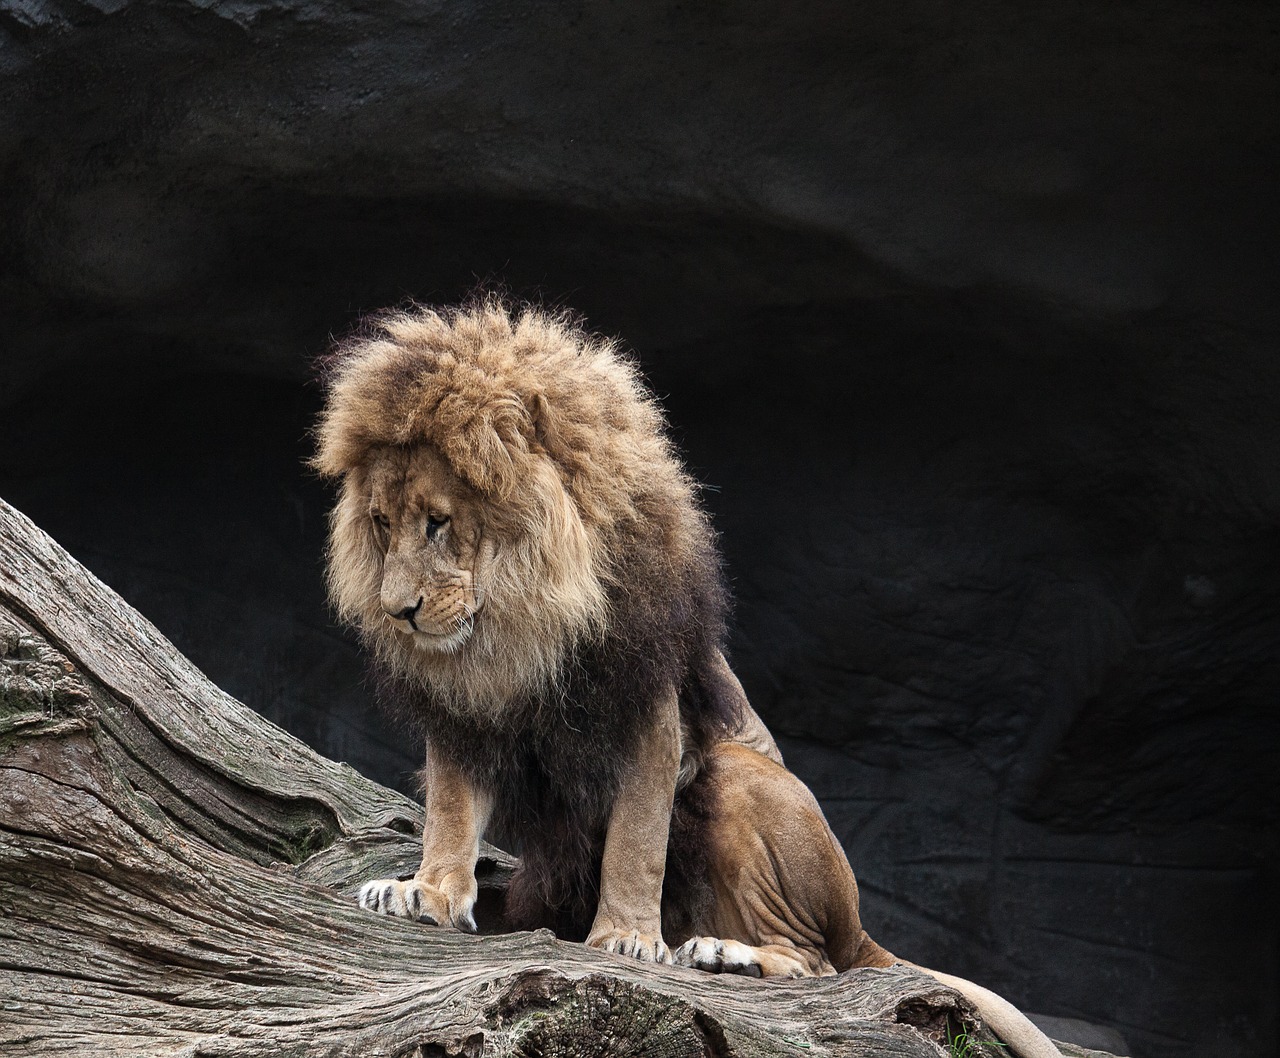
(628, 920)
(495, 468)
(443, 891)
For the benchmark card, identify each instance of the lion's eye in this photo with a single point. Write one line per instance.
(436, 522)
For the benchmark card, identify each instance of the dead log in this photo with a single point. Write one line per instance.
(176, 877)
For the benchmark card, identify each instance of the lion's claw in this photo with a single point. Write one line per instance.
(644, 947)
(418, 901)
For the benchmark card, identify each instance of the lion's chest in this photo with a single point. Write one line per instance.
(556, 771)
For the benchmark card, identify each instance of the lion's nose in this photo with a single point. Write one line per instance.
(406, 614)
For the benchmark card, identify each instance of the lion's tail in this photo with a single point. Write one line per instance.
(1013, 1027)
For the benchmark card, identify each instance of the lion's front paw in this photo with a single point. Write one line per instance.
(719, 956)
(419, 901)
(645, 947)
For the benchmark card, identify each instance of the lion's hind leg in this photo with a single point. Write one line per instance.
(784, 901)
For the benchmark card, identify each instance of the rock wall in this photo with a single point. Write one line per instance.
(965, 318)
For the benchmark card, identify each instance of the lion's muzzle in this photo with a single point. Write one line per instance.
(408, 613)
(440, 615)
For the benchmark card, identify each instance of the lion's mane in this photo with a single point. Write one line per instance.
(606, 587)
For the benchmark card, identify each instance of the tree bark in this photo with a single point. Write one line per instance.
(177, 877)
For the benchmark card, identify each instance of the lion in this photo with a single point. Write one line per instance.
(520, 548)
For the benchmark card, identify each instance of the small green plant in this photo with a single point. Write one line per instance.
(964, 1045)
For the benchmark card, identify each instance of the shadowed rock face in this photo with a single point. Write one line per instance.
(965, 318)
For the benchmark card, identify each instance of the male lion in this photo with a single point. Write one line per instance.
(519, 545)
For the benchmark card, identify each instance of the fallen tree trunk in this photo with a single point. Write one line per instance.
(176, 877)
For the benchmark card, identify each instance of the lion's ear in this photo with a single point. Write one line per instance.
(542, 419)
(492, 449)
(481, 455)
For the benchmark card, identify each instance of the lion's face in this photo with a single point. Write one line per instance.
(428, 525)
(475, 595)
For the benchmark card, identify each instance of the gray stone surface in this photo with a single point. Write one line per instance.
(966, 317)
(1082, 1034)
